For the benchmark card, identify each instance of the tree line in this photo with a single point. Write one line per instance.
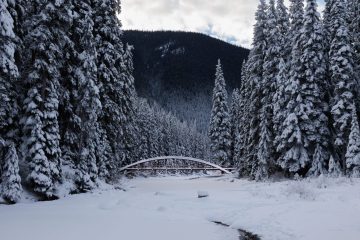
(69, 111)
(297, 111)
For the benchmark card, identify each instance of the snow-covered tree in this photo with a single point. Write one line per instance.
(354, 28)
(353, 148)
(254, 79)
(314, 122)
(291, 143)
(88, 105)
(343, 79)
(113, 76)
(267, 87)
(219, 129)
(8, 73)
(10, 179)
(43, 43)
(334, 168)
(243, 123)
(234, 122)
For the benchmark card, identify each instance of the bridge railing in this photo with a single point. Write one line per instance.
(211, 166)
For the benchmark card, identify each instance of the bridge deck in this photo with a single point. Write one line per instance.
(174, 169)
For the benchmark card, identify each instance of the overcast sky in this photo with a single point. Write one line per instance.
(230, 20)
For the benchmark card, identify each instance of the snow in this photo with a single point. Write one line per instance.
(165, 208)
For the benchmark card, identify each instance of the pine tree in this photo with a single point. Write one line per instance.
(255, 78)
(342, 76)
(43, 43)
(8, 74)
(292, 143)
(353, 148)
(116, 90)
(334, 168)
(354, 28)
(235, 121)
(88, 99)
(10, 180)
(219, 129)
(243, 123)
(279, 98)
(283, 24)
(265, 153)
(314, 122)
(128, 106)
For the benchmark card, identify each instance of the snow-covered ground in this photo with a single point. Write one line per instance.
(166, 208)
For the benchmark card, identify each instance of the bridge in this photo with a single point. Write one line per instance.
(139, 166)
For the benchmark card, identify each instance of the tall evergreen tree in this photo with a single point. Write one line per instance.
(293, 155)
(219, 129)
(8, 73)
(353, 148)
(43, 43)
(279, 98)
(113, 76)
(265, 153)
(354, 28)
(88, 99)
(343, 78)
(314, 122)
(255, 78)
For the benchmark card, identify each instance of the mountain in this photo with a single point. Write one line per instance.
(177, 70)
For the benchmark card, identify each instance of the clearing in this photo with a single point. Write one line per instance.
(164, 208)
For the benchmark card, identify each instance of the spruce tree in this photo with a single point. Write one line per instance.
(88, 99)
(279, 98)
(343, 79)
(353, 148)
(334, 168)
(354, 28)
(291, 143)
(265, 153)
(43, 44)
(8, 74)
(235, 121)
(314, 122)
(243, 123)
(255, 78)
(116, 85)
(10, 179)
(219, 129)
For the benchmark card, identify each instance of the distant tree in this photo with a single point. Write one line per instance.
(240, 147)
(234, 123)
(334, 168)
(219, 129)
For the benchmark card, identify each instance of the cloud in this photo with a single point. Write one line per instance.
(230, 20)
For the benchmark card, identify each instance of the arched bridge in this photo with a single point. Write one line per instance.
(209, 166)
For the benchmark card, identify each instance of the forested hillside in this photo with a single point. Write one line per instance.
(176, 69)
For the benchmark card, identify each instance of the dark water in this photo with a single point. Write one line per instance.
(243, 235)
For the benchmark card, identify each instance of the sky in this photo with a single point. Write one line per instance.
(229, 20)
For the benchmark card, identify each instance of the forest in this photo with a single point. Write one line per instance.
(70, 113)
